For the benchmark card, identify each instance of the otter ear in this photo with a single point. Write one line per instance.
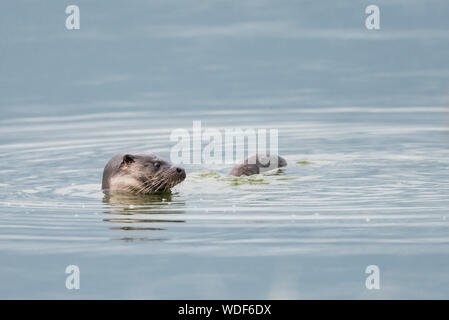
(128, 158)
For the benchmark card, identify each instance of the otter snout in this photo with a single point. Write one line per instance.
(180, 172)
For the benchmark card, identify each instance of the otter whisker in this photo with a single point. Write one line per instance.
(160, 186)
(155, 186)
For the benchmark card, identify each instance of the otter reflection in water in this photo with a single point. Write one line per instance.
(141, 213)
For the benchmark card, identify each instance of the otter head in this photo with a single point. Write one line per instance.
(143, 174)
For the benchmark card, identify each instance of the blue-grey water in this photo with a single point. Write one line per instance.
(367, 109)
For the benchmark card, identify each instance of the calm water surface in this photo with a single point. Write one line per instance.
(367, 111)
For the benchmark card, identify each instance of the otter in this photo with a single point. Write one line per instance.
(141, 174)
(258, 163)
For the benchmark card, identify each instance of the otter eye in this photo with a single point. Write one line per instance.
(157, 165)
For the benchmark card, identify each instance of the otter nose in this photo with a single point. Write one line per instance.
(181, 173)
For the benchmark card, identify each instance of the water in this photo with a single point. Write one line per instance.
(367, 110)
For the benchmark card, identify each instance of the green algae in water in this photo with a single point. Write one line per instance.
(209, 175)
(237, 181)
(234, 181)
(304, 163)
